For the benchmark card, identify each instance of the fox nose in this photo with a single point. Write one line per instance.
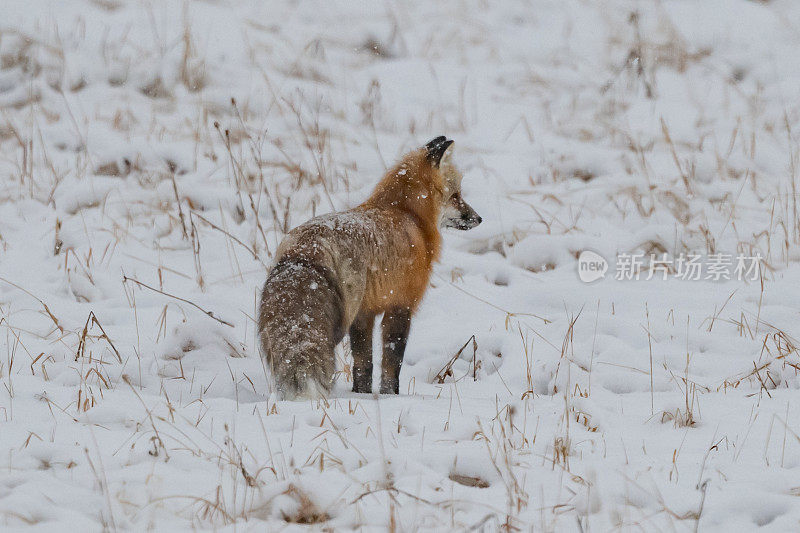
(476, 218)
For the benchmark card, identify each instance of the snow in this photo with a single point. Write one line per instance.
(153, 155)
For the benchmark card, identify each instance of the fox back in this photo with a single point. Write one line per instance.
(338, 271)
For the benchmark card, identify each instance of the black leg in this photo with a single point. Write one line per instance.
(361, 346)
(395, 325)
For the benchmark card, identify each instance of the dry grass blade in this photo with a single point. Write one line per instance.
(44, 305)
(447, 369)
(227, 234)
(209, 314)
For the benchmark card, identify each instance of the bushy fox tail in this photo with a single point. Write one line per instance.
(299, 327)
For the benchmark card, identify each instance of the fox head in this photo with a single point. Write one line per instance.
(455, 213)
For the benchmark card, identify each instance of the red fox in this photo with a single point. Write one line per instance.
(335, 273)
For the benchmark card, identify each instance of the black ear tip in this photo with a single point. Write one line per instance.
(435, 141)
(436, 149)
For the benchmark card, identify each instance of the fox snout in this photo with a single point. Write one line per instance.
(456, 213)
(459, 214)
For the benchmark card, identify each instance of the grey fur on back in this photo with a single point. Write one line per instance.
(311, 296)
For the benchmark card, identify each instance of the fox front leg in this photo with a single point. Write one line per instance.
(395, 325)
(361, 346)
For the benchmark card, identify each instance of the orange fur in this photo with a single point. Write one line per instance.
(409, 195)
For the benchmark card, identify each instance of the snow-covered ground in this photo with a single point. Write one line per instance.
(152, 155)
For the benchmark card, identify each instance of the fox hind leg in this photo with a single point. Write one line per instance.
(361, 346)
(395, 325)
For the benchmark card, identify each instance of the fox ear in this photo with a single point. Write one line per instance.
(436, 149)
